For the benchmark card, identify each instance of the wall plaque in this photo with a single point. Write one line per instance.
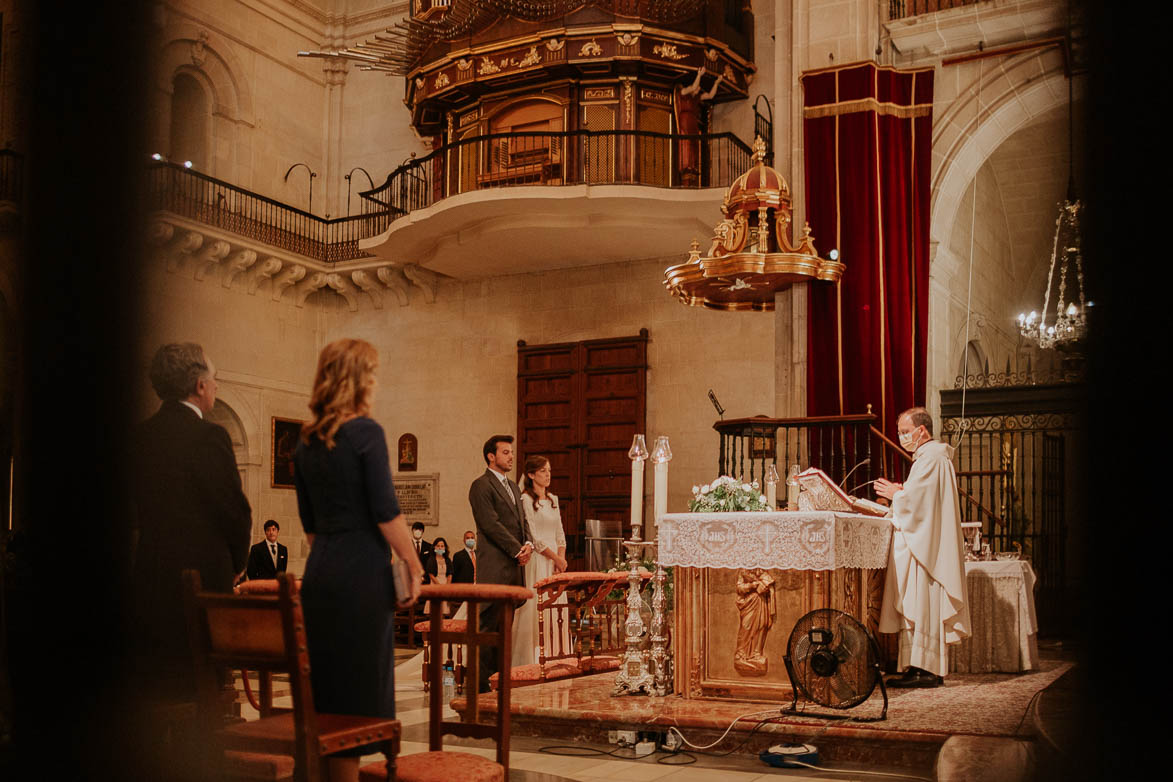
(419, 497)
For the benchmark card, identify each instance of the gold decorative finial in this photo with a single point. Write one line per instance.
(759, 150)
(694, 251)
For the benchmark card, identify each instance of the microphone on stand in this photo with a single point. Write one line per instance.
(716, 404)
(853, 469)
(860, 486)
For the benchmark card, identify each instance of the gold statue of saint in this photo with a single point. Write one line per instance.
(757, 606)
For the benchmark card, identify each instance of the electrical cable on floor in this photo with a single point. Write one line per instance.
(1031, 703)
(673, 729)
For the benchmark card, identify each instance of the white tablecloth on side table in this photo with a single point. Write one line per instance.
(1002, 611)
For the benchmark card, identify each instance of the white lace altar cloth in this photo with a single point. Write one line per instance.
(787, 540)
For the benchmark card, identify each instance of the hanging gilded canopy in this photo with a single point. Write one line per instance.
(752, 256)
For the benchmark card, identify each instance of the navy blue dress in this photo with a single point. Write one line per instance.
(347, 592)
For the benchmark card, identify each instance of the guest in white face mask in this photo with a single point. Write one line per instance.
(438, 566)
(464, 561)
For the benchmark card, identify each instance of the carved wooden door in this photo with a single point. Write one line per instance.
(579, 404)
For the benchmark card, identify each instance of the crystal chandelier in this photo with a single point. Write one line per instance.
(1070, 324)
(1069, 328)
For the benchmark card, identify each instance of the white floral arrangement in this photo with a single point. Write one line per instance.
(727, 494)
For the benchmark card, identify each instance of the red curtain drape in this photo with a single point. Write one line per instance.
(868, 142)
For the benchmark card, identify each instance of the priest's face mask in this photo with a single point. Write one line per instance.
(910, 437)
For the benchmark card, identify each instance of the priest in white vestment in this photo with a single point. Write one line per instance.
(924, 593)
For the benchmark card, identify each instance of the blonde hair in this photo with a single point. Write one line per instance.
(342, 388)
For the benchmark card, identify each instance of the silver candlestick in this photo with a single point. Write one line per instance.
(634, 676)
(661, 654)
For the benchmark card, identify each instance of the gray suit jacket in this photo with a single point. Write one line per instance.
(501, 530)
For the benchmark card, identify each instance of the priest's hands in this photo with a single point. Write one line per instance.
(886, 488)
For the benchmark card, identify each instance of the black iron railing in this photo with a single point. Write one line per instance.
(627, 157)
(11, 175)
(478, 163)
(902, 9)
(214, 202)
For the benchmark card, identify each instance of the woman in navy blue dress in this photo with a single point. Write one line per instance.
(352, 521)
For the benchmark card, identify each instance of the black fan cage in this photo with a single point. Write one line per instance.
(832, 658)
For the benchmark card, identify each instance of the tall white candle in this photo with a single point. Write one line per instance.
(772, 495)
(660, 503)
(637, 492)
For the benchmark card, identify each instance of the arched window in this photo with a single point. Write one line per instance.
(189, 121)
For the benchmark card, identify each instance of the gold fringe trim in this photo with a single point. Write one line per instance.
(868, 104)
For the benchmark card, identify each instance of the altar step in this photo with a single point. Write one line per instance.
(919, 723)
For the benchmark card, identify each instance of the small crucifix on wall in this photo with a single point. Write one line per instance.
(408, 452)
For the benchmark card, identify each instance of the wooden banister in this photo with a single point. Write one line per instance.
(969, 497)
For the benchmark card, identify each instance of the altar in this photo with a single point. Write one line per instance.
(742, 581)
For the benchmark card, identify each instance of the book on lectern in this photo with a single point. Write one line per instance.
(825, 494)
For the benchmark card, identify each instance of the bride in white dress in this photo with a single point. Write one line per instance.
(545, 523)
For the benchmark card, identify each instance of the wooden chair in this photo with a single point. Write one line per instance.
(266, 633)
(437, 764)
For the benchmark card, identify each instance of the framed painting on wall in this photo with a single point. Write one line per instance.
(281, 447)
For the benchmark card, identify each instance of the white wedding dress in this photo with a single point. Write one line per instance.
(545, 524)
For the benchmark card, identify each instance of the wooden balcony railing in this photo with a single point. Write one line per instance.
(902, 9)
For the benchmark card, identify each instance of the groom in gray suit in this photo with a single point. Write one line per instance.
(504, 535)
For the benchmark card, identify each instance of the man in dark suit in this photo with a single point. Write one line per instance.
(190, 513)
(503, 533)
(464, 562)
(268, 558)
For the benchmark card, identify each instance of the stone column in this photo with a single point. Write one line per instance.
(790, 323)
(333, 193)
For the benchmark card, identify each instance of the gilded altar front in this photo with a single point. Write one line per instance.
(742, 581)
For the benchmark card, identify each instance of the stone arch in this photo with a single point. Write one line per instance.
(966, 134)
(225, 416)
(230, 402)
(208, 57)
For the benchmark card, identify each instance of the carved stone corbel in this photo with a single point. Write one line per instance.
(286, 278)
(340, 286)
(395, 281)
(211, 256)
(311, 284)
(240, 260)
(424, 279)
(264, 272)
(161, 233)
(181, 247)
(369, 286)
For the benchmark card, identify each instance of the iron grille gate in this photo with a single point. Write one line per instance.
(1013, 450)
